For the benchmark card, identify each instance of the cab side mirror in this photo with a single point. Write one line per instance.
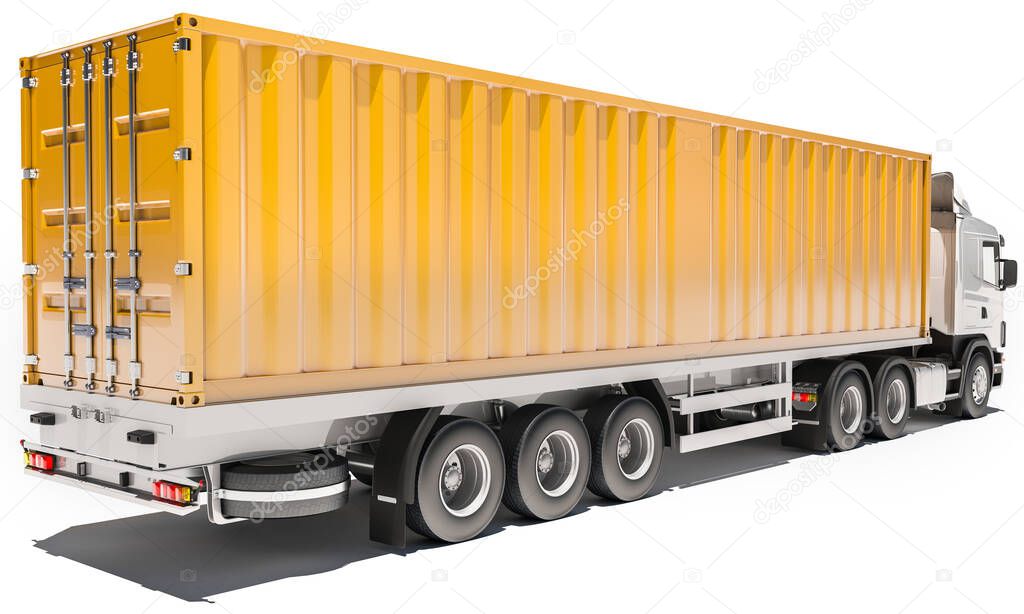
(1009, 279)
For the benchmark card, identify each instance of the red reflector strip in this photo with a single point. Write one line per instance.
(38, 460)
(169, 491)
(805, 397)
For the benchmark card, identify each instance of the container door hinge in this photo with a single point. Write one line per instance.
(31, 269)
(31, 360)
(183, 377)
(182, 269)
(182, 44)
(30, 173)
(182, 154)
(29, 82)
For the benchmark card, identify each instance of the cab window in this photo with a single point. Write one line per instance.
(989, 254)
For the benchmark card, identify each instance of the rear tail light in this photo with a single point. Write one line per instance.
(38, 460)
(168, 491)
(805, 397)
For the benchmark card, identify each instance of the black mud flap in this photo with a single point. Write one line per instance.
(394, 473)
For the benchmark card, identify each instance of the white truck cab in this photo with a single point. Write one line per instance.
(967, 274)
(967, 278)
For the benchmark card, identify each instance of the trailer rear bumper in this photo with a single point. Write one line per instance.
(119, 480)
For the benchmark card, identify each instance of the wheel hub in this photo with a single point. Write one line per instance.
(625, 446)
(545, 460)
(979, 384)
(896, 401)
(635, 449)
(452, 477)
(464, 480)
(558, 463)
(851, 410)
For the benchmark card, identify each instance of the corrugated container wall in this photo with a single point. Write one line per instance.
(359, 219)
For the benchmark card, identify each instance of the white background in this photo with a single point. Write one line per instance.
(929, 523)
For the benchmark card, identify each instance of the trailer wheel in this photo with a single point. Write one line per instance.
(893, 405)
(547, 455)
(977, 386)
(627, 444)
(848, 412)
(283, 474)
(459, 481)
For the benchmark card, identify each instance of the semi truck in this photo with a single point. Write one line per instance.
(259, 265)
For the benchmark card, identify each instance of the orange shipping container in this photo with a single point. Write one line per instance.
(347, 218)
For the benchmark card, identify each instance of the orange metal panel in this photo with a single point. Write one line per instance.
(888, 299)
(642, 225)
(795, 237)
(905, 280)
(327, 213)
(835, 267)
(817, 278)
(916, 180)
(853, 239)
(873, 279)
(613, 241)
(773, 204)
(271, 216)
(469, 205)
(378, 212)
(509, 204)
(223, 98)
(724, 213)
(684, 232)
(426, 218)
(548, 262)
(749, 256)
(580, 240)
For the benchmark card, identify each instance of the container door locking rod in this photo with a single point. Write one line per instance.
(134, 367)
(110, 368)
(89, 330)
(65, 84)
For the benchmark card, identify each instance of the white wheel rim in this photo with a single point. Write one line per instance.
(634, 449)
(557, 464)
(979, 384)
(851, 410)
(464, 480)
(896, 401)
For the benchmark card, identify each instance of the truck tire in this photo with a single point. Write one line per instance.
(627, 444)
(977, 386)
(893, 404)
(848, 412)
(459, 481)
(547, 461)
(283, 474)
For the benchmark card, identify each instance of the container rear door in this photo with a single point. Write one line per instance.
(81, 214)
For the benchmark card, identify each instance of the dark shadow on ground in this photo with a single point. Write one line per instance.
(188, 558)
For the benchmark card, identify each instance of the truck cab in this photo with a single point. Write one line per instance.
(967, 278)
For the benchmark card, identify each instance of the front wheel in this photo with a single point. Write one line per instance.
(459, 481)
(977, 387)
(627, 441)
